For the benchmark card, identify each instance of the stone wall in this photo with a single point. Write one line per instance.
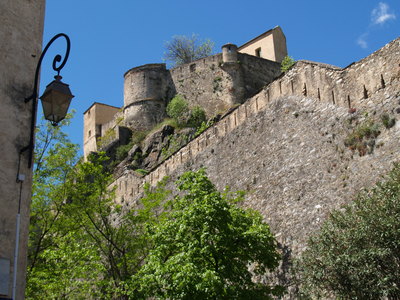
(348, 87)
(21, 28)
(210, 83)
(285, 145)
(216, 86)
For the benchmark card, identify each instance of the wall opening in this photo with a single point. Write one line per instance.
(258, 52)
(365, 93)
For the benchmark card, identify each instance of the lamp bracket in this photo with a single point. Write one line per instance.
(34, 96)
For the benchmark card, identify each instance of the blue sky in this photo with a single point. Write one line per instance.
(110, 37)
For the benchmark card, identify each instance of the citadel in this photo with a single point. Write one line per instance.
(281, 137)
(284, 138)
(215, 83)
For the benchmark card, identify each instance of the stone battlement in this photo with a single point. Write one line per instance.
(350, 87)
(214, 83)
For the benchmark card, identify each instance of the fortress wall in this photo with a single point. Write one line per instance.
(202, 83)
(342, 87)
(325, 84)
(216, 86)
(206, 82)
(257, 71)
(145, 93)
(147, 82)
(118, 117)
(285, 146)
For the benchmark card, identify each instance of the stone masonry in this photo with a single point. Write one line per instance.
(215, 83)
(286, 146)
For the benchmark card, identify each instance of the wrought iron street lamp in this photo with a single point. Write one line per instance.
(55, 99)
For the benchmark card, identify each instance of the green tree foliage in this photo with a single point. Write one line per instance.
(287, 63)
(182, 49)
(197, 117)
(178, 109)
(82, 245)
(356, 255)
(51, 273)
(204, 248)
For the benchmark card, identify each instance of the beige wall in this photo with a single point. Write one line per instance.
(21, 30)
(271, 45)
(95, 121)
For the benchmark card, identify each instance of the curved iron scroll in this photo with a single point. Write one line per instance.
(34, 96)
(56, 59)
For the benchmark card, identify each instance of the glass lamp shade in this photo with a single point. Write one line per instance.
(56, 100)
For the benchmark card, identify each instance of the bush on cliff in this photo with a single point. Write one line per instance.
(178, 109)
(356, 255)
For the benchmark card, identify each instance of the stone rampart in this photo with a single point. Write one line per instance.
(209, 82)
(323, 83)
(349, 87)
(285, 146)
(216, 86)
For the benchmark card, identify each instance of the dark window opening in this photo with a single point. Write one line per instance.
(258, 52)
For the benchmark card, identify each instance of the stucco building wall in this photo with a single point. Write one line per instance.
(21, 30)
(269, 45)
(96, 120)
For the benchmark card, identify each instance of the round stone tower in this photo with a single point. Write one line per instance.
(145, 90)
(229, 53)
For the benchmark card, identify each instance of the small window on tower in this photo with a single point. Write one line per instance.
(258, 52)
(89, 133)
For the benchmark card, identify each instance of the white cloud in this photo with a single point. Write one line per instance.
(381, 14)
(361, 41)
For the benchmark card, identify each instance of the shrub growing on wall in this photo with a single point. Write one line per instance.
(197, 117)
(356, 255)
(178, 109)
(287, 63)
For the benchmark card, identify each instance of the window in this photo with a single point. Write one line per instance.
(89, 133)
(258, 52)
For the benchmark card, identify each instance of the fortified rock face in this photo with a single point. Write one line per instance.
(285, 139)
(289, 146)
(215, 83)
